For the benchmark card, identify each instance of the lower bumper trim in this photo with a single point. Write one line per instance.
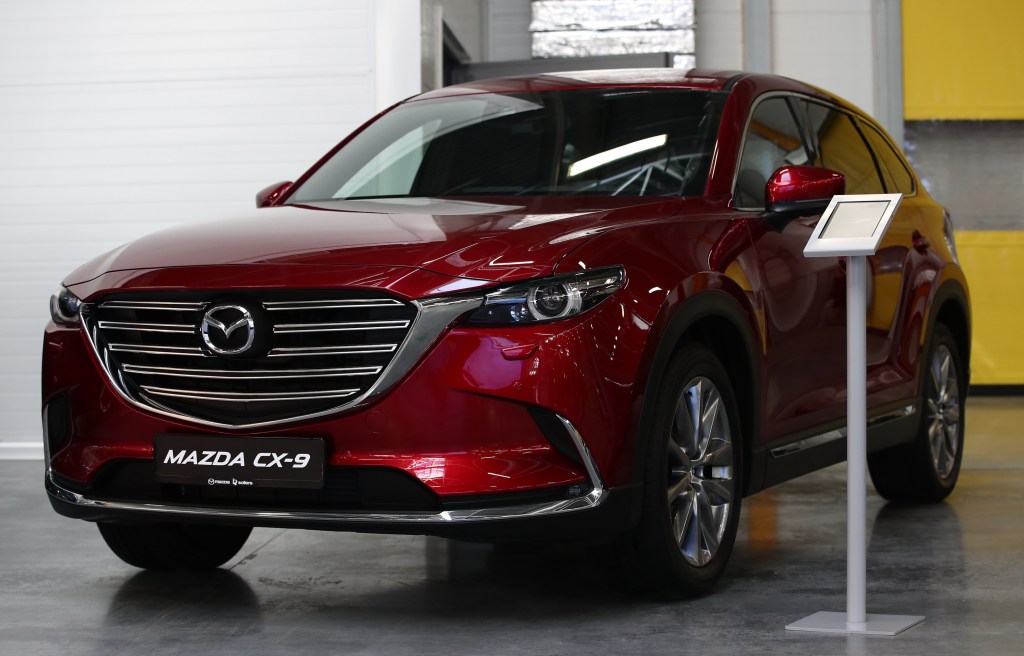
(90, 507)
(180, 512)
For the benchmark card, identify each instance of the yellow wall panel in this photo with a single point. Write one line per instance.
(994, 264)
(963, 60)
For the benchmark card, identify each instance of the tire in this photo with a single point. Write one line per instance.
(174, 546)
(692, 481)
(926, 470)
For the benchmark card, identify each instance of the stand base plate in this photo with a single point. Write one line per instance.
(826, 622)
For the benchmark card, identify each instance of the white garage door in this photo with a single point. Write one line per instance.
(120, 117)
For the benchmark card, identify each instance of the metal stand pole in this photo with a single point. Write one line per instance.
(856, 619)
(856, 443)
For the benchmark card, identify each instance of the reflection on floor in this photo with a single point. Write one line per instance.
(300, 592)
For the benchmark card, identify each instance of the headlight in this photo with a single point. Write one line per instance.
(549, 299)
(65, 307)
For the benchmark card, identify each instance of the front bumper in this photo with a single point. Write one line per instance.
(488, 521)
(490, 427)
(63, 497)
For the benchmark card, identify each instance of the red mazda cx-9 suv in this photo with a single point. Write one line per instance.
(567, 305)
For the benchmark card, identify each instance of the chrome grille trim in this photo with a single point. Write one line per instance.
(286, 328)
(276, 306)
(155, 350)
(332, 350)
(147, 327)
(154, 305)
(251, 374)
(432, 317)
(248, 397)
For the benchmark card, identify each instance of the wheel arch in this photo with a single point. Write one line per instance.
(951, 307)
(717, 320)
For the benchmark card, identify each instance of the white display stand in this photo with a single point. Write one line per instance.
(853, 226)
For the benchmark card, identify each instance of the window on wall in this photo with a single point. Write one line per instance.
(773, 140)
(571, 28)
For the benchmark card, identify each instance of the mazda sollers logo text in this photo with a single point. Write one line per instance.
(228, 329)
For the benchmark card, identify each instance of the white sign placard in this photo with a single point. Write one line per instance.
(852, 225)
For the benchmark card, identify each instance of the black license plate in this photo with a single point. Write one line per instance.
(240, 462)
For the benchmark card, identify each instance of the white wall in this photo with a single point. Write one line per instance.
(465, 18)
(120, 117)
(827, 44)
(719, 34)
(490, 30)
(396, 29)
(506, 29)
(849, 47)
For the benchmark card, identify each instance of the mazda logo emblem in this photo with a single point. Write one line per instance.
(228, 329)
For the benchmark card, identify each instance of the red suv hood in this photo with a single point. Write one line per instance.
(506, 239)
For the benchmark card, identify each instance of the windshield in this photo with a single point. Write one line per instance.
(592, 141)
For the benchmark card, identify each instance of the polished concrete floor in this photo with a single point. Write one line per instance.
(299, 592)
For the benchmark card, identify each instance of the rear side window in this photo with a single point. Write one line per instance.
(772, 140)
(841, 147)
(894, 170)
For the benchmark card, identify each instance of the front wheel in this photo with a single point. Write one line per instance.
(926, 470)
(692, 485)
(174, 546)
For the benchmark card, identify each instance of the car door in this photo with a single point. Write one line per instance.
(846, 143)
(802, 299)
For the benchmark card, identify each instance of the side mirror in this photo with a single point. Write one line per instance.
(802, 189)
(270, 195)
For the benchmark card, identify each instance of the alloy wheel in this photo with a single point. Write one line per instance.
(701, 481)
(943, 406)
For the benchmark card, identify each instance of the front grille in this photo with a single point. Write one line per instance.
(294, 354)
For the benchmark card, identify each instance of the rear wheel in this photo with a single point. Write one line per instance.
(692, 484)
(926, 470)
(172, 546)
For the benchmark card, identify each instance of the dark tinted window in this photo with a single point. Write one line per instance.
(589, 141)
(841, 147)
(894, 170)
(772, 140)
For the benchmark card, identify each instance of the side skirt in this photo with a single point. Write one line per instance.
(789, 458)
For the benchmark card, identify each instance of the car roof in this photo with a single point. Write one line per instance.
(706, 79)
(625, 77)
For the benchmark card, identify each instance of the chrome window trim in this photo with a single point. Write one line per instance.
(803, 96)
(904, 162)
(591, 500)
(433, 316)
(743, 143)
(858, 119)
